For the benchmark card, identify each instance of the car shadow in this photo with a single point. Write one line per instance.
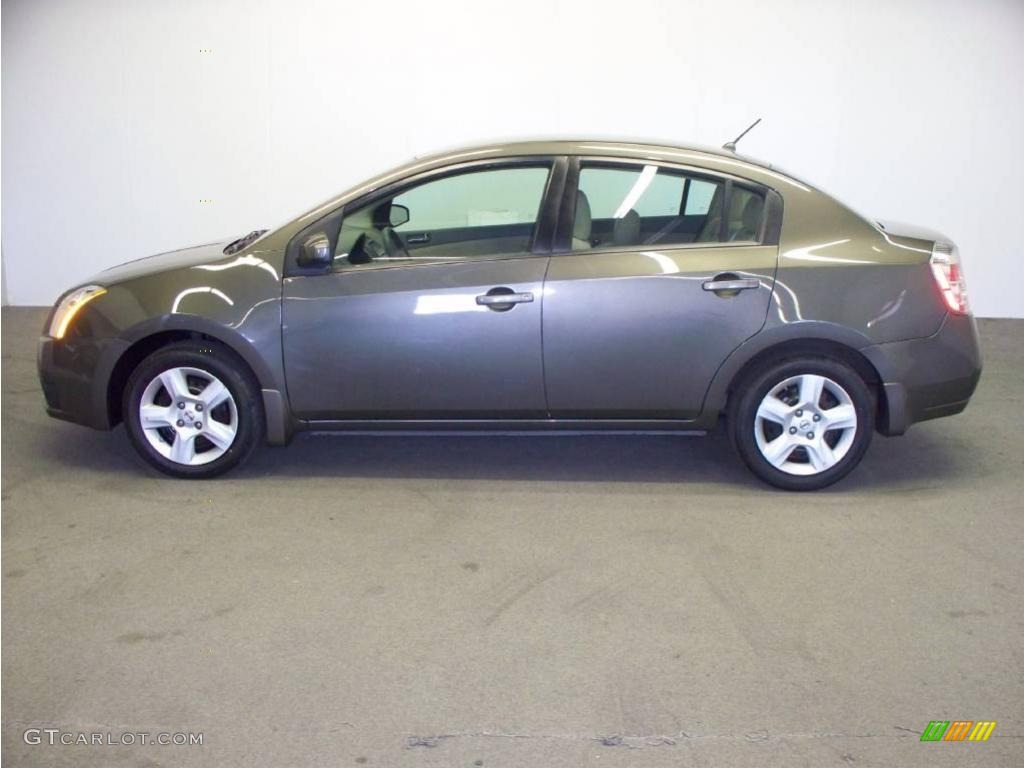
(925, 457)
(591, 458)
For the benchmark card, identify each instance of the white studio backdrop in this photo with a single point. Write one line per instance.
(136, 126)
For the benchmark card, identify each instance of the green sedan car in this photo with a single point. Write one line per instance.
(577, 286)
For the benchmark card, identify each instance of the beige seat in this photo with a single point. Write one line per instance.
(710, 232)
(626, 230)
(750, 220)
(581, 224)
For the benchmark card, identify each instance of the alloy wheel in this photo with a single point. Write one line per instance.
(805, 424)
(188, 416)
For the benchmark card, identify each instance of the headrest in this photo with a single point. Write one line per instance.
(626, 230)
(581, 225)
(752, 213)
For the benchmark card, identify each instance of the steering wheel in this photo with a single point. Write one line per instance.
(369, 247)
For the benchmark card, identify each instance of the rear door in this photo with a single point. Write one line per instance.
(668, 271)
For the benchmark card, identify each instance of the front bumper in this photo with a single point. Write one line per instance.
(927, 378)
(75, 375)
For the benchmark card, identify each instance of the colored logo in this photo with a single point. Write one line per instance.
(958, 730)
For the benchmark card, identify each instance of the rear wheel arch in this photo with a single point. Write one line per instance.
(802, 422)
(806, 347)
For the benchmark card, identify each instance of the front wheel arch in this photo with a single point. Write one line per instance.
(144, 344)
(240, 428)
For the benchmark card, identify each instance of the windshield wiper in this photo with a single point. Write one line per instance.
(236, 245)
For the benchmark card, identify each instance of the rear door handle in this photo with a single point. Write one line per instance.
(737, 284)
(491, 299)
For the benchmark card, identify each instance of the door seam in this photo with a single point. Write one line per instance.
(543, 352)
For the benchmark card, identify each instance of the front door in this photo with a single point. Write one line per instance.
(432, 309)
(666, 276)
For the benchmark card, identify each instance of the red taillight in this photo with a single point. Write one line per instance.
(949, 276)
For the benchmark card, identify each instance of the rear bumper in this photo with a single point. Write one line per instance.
(927, 378)
(75, 375)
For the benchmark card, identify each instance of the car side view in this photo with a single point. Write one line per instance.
(582, 286)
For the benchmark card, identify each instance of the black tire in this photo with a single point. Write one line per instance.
(743, 422)
(218, 361)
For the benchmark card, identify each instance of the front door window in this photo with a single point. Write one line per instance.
(476, 214)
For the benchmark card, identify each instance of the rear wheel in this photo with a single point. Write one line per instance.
(192, 410)
(804, 423)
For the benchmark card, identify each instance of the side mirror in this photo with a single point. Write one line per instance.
(398, 215)
(315, 252)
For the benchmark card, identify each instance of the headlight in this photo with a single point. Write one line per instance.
(69, 306)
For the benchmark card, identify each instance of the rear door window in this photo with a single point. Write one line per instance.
(648, 205)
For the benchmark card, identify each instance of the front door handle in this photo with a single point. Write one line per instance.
(418, 239)
(503, 299)
(731, 284)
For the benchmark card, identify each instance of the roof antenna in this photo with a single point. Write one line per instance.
(731, 145)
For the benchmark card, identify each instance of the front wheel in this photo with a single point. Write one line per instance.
(192, 410)
(804, 423)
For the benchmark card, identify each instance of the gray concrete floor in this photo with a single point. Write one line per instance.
(514, 602)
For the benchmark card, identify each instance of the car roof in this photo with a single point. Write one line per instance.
(596, 145)
(719, 160)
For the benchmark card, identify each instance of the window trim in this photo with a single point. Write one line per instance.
(551, 203)
(771, 223)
